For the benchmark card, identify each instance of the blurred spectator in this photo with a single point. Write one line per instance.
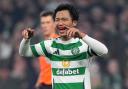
(113, 79)
(106, 20)
(95, 76)
(19, 72)
(5, 47)
(7, 81)
(126, 80)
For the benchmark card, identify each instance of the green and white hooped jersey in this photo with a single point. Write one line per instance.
(69, 59)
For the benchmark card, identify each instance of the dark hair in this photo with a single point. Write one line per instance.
(72, 10)
(46, 13)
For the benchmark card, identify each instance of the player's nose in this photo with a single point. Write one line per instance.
(60, 22)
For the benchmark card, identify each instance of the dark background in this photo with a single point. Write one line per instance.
(105, 20)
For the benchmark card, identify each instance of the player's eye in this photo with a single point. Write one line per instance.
(56, 19)
(64, 19)
(42, 22)
(48, 22)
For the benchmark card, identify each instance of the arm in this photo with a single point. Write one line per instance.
(30, 50)
(25, 49)
(97, 47)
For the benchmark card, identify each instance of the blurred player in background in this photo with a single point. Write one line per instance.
(69, 54)
(48, 31)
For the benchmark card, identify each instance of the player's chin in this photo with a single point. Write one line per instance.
(62, 34)
(46, 32)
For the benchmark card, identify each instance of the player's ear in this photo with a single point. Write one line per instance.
(74, 23)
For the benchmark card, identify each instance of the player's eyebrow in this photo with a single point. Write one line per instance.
(62, 18)
(56, 18)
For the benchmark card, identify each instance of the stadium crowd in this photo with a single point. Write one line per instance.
(105, 20)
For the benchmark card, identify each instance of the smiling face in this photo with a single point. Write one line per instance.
(63, 19)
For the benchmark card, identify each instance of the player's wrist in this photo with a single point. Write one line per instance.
(82, 34)
(85, 38)
(26, 40)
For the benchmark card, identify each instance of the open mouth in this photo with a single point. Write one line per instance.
(62, 29)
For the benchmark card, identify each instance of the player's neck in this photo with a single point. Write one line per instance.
(48, 36)
(65, 38)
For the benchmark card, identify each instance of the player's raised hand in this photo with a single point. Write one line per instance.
(27, 33)
(74, 32)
